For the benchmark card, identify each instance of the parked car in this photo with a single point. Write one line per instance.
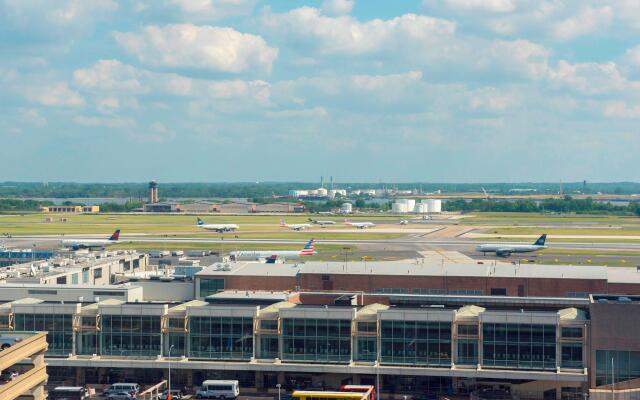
(176, 394)
(8, 375)
(121, 396)
(7, 341)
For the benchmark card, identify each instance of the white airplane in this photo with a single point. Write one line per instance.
(271, 255)
(404, 222)
(295, 227)
(76, 244)
(360, 225)
(321, 222)
(505, 250)
(220, 228)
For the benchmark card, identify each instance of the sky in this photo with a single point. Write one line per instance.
(361, 90)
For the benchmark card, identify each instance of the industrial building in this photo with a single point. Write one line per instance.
(26, 358)
(71, 209)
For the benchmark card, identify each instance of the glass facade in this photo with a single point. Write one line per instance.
(367, 348)
(415, 342)
(616, 366)
(210, 286)
(467, 351)
(178, 341)
(325, 340)
(131, 335)
(269, 346)
(88, 343)
(59, 328)
(221, 338)
(523, 346)
(571, 355)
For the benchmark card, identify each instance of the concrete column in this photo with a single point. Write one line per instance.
(259, 380)
(281, 378)
(79, 376)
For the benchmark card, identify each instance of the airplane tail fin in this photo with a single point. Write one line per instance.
(115, 236)
(308, 248)
(199, 222)
(271, 260)
(541, 239)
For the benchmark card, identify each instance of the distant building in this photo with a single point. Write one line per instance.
(162, 207)
(199, 207)
(71, 209)
(237, 208)
(280, 207)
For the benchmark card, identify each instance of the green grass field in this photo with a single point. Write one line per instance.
(528, 218)
(222, 247)
(591, 231)
(172, 225)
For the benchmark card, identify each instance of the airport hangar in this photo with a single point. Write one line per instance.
(414, 327)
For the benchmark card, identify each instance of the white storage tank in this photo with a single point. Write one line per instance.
(434, 205)
(399, 208)
(411, 204)
(346, 208)
(321, 192)
(421, 208)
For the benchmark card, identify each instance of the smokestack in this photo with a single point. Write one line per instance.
(153, 192)
(331, 183)
(321, 182)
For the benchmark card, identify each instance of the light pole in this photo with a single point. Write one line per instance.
(279, 386)
(169, 383)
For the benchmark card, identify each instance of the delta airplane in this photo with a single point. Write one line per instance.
(220, 228)
(321, 222)
(505, 250)
(295, 227)
(359, 225)
(91, 243)
(272, 255)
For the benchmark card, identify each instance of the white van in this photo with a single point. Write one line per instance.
(132, 388)
(223, 390)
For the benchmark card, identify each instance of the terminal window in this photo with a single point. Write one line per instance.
(211, 286)
(626, 366)
(523, 346)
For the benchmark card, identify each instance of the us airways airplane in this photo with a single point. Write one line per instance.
(505, 250)
(221, 228)
(321, 222)
(273, 254)
(92, 243)
(295, 227)
(360, 225)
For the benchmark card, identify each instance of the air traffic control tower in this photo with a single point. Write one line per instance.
(153, 192)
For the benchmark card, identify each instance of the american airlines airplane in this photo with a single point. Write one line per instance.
(295, 227)
(321, 222)
(505, 250)
(220, 228)
(360, 225)
(91, 243)
(273, 254)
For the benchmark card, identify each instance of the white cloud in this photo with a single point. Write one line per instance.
(56, 95)
(107, 122)
(201, 47)
(492, 99)
(619, 109)
(500, 6)
(107, 105)
(632, 56)
(213, 9)
(33, 117)
(588, 20)
(337, 7)
(346, 35)
(110, 75)
(590, 78)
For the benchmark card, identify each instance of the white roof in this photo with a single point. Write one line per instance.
(413, 269)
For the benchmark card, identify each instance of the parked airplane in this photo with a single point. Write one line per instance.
(359, 225)
(274, 254)
(220, 228)
(505, 250)
(404, 222)
(321, 222)
(91, 243)
(295, 227)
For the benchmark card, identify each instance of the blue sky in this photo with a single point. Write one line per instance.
(362, 90)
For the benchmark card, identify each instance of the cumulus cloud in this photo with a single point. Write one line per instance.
(213, 9)
(500, 6)
(200, 47)
(346, 35)
(109, 75)
(590, 78)
(492, 99)
(588, 20)
(619, 109)
(106, 122)
(55, 95)
(337, 7)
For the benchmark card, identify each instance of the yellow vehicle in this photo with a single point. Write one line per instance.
(342, 395)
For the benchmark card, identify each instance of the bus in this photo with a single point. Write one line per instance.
(367, 389)
(223, 390)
